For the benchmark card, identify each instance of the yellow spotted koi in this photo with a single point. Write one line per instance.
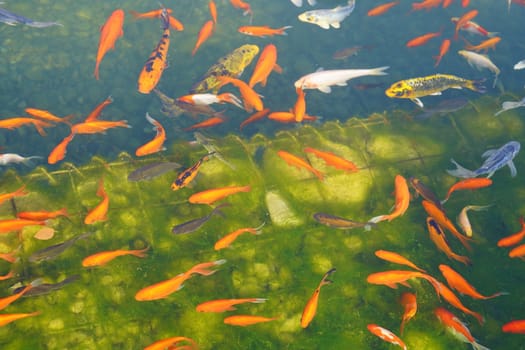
(431, 85)
(154, 66)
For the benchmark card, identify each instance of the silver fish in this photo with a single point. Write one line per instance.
(195, 224)
(496, 159)
(44, 288)
(13, 19)
(339, 222)
(10, 158)
(152, 170)
(446, 106)
(507, 105)
(325, 18)
(55, 250)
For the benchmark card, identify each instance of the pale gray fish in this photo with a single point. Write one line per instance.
(13, 158)
(206, 143)
(339, 222)
(446, 106)
(13, 19)
(53, 251)
(45, 288)
(152, 170)
(195, 224)
(507, 105)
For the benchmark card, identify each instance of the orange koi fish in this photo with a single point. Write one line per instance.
(18, 193)
(110, 31)
(460, 284)
(13, 123)
(453, 300)
(9, 225)
(262, 31)
(206, 123)
(457, 328)
(396, 259)
(438, 237)
(422, 39)
(213, 11)
(409, 303)
(468, 184)
(463, 20)
(59, 152)
(169, 343)
(163, 289)
(402, 200)
(484, 45)
(204, 34)
(239, 4)
(425, 5)
(333, 160)
(222, 305)
(386, 335)
(247, 320)
(518, 252)
(8, 318)
(265, 64)
(251, 99)
(299, 108)
(103, 258)
(382, 9)
(392, 278)
(155, 145)
(516, 327)
(254, 117)
(443, 49)
(292, 160)
(156, 63)
(99, 212)
(149, 14)
(514, 238)
(98, 126)
(41, 215)
(95, 113)
(186, 176)
(46, 115)
(282, 117)
(225, 241)
(310, 309)
(440, 218)
(211, 196)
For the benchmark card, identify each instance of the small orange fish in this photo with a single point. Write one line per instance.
(13, 123)
(41, 215)
(7, 276)
(463, 20)
(222, 305)
(453, 300)
(169, 343)
(468, 184)
(99, 213)
(445, 45)
(484, 45)
(176, 24)
(266, 63)
(95, 113)
(392, 278)
(333, 160)
(409, 303)
(59, 152)
(5, 302)
(299, 108)
(514, 238)
(9, 225)
(425, 5)
(254, 117)
(422, 39)
(310, 309)
(155, 145)
(225, 241)
(152, 71)
(290, 159)
(213, 11)
(103, 258)
(206, 123)
(438, 237)
(456, 327)
(386, 335)
(149, 14)
(382, 9)
(98, 126)
(46, 115)
(204, 34)
(211, 196)
(516, 327)
(8, 318)
(460, 284)
(10, 257)
(247, 320)
(262, 31)
(239, 4)
(251, 99)
(402, 201)
(109, 34)
(518, 252)
(396, 259)
(18, 193)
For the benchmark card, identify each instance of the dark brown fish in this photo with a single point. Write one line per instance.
(339, 222)
(53, 251)
(45, 288)
(446, 106)
(195, 224)
(349, 51)
(152, 170)
(425, 192)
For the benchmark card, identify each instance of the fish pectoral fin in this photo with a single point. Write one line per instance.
(417, 101)
(336, 25)
(512, 167)
(391, 285)
(323, 25)
(342, 83)
(325, 89)
(436, 93)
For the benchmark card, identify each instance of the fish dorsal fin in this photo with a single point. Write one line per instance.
(488, 153)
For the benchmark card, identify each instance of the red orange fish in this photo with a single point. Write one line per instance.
(109, 33)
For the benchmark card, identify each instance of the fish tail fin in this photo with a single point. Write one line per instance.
(462, 259)
(282, 30)
(477, 85)
(478, 317)
(140, 253)
(369, 226)
(379, 71)
(460, 171)
(95, 73)
(259, 300)
(165, 19)
(376, 219)
(134, 14)
(495, 295)
(492, 34)
(230, 98)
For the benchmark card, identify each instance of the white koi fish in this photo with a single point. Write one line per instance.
(323, 79)
(507, 105)
(325, 18)
(463, 220)
(299, 3)
(519, 65)
(8, 158)
(480, 61)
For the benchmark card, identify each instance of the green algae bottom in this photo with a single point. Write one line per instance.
(286, 262)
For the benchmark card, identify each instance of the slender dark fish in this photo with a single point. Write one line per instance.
(339, 222)
(53, 251)
(152, 170)
(195, 224)
(425, 191)
(13, 19)
(45, 288)
(446, 106)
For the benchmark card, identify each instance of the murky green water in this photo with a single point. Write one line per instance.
(51, 68)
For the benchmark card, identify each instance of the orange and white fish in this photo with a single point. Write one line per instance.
(207, 99)
(204, 34)
(333, 160)
(396, 259)
(467, 184)
(266, 63)
(18, 193)
(222, 305)
(386, 335)
(460, 284)
(516, 327)
(225, 241)
(95, 113)
(310, 309)
(438, 237)
(463, 21)
(99, 213)
(247, 320)
(174, 343)
(473, 27)
(453, 300)
(102, 258)
(59, 152)
(298, 162)
(402, 200)
(152, 71)
(211, 196)
(262, 31)
(409, 303)
(206, 123)
(514, 238)
(98, 126)
(8, 318)
(46, 115)
(155, 145)
(251, 99)
(41, 215)
(457, 328)
(109, 34)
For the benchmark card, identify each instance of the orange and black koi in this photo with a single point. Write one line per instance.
(189, 174)
(156, 63)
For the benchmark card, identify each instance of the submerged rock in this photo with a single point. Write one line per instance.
(280, 212)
